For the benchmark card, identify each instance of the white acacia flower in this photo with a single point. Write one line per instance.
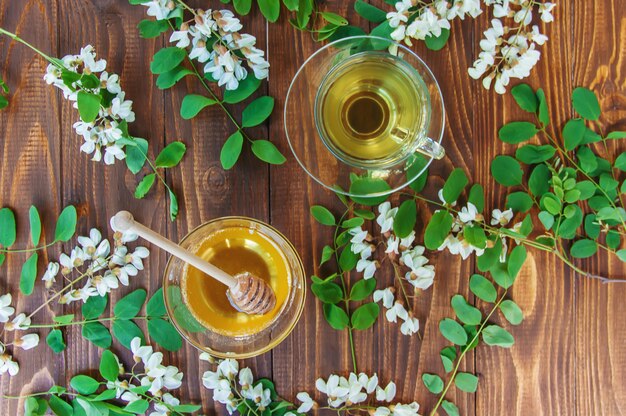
(307, 402)
(162, 409)
(501, 218)
(410, 327)
(406, 409)
(468, 213)
(260, 396)
(20, 323)
(386, 295)
(122, 237)
(401, 14)
(158, 8)
(130, 397)
(546, 11)
(111, 82)
(6, 310)
(7, 365)
(386, 216)
(181, 37)
(105, 283)
(368, 383)
(51, 272)
(368, 267)
(227, 21)
(387, 394)
(382, 411)
(27, 341)
(228, 368)
(395, 312)
(140, 353)
(443, 201)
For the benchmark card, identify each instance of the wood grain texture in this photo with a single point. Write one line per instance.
(569, 357)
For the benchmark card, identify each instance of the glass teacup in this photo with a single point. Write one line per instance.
(363, 110)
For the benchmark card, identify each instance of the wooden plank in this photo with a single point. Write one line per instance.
(206, 191)
(531, 377)
(601, 360)
(29, 172)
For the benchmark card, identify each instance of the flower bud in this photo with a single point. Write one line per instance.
(171, 5)
(184, 27)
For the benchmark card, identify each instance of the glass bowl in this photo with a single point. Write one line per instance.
(238, 346)
(325, 164)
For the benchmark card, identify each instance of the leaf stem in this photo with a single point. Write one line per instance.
(465, 350)
(27, 250)
(22, 41)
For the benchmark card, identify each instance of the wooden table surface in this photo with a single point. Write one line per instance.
(570, 352)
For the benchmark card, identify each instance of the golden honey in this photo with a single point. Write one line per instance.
(235, 250)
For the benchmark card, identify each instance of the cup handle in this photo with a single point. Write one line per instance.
(429, 147)
(426, 145)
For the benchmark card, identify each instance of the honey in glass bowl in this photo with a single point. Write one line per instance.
(198, 305)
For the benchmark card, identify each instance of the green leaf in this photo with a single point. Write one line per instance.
(365, 316)
(270, 9)
(448, 355)
(149, 29)
(267, 152)
(543, 112)
(525, 97)
(506, 171)
(466, 382)
(173, 205)
(546, 219)
(551, 204)
(433, 383)
(435, 43)
(327, 253)
(621, 254)
(97, 334)
(109, 368)
(587, 159)
(156, 304)
(192, 104)
(124, 331)
(464, 311)
(438, 229)
(362, 289)
(592, 228)
(327, 292)
(138, 407)
(519, 201)
(370, 12)
(84, 384)
(245, 89)
(477, 197)
(586, 103)
(475, 235)
(616, 135)
(88, 106)
(242, 6)
(573, 133)
(170, 78)
(94, 307)
(368, 186)
(164, 334)
(129, 306)
(405, 218)
(517, 132)
(55, 341)
(136, 155)
(322, 215)
(60, 407)
(35, 224)
(613, 239)
(145, 185)
(167, 59)
(583, 249)
(29, 274)
(336, 317)
(516, 260)
(490, 256)
(531, 154)
(63, 319)
(539, 181)
(334, 18)
(291, 5)
(383, 30)
(171, 155)
(587, 189)
(352, 222)
(231, 150)
(66, 224)
(105, 395)
(620, 162)
(348, 259)
(257, 111)
(450, 408)
(453, 331)
(501, 275)
(512, 312)
(8, 228)
(454, 185)
(498, 336)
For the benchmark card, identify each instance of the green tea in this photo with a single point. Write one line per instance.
(371, 109)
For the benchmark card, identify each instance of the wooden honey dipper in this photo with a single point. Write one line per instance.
(247, 293)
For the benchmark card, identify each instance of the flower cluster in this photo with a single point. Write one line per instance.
(466, 217)
(396, 310)
(20, 323)
(94, 260)
(216, 42)
(224, 383)
(508, 49)
(155, 379)
(83, 80)
(356, 390)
